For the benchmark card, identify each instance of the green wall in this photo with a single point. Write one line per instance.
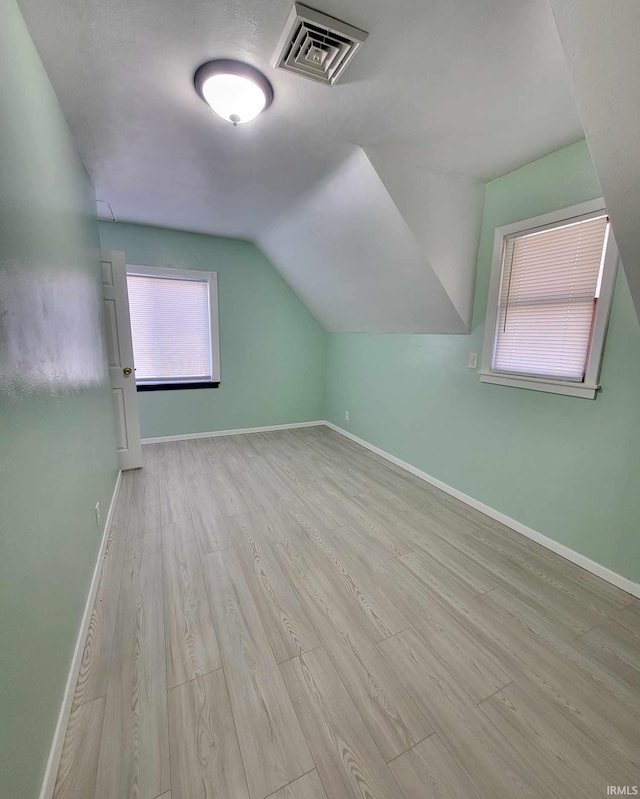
(567, 467)
(272, 350)
(57, 436)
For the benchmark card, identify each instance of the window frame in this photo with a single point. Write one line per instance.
(211, 279)
(590, 385)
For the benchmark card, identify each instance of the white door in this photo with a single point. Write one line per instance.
(120, 357)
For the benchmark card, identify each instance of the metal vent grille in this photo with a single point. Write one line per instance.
(316, 46)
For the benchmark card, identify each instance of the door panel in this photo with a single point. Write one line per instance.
(113, 348)
(121, 420)
(120, 359)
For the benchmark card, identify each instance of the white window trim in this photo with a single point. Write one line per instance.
(211, 278)
(590, 385)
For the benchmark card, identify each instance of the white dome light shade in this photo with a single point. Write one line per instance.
(233, 97)
(235, 91)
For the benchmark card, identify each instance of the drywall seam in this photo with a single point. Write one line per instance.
(55, 753)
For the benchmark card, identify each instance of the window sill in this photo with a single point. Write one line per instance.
(565, 387)
(174, 386)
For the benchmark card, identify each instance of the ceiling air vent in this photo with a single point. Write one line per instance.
(316, 46)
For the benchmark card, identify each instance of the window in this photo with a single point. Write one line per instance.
(174, 327)
(550, 295)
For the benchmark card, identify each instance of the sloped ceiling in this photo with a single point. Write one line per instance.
(444, 95)
(376, 228)
(601, 42)
(348, 234)
(444, 214)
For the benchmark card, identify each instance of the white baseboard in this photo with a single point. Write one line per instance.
(560, 549)
(51, 771)
(235, 432)
(48, 783)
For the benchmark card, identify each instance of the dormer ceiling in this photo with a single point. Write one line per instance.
(600, 42)
(443, 96)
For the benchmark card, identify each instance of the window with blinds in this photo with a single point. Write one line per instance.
(548, 298)
(171, 326)
(550, 293)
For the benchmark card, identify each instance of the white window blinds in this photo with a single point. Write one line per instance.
(548, 295)
(170, 326)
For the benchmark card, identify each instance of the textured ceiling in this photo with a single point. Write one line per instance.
(367, 195)
(600, 41)
(477, 87)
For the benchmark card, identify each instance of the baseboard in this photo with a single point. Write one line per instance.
(560, 549)
(234, 432)
(51, 771)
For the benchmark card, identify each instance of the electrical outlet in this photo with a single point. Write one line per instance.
(472, 363)
(346, 416)
(98, 514)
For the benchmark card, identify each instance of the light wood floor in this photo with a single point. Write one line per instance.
(288, 615)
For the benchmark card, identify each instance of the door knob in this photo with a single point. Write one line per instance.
(127, 371)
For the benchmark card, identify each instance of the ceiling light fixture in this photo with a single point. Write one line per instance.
(237, 92)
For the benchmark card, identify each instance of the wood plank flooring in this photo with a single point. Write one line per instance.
(288, 615)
